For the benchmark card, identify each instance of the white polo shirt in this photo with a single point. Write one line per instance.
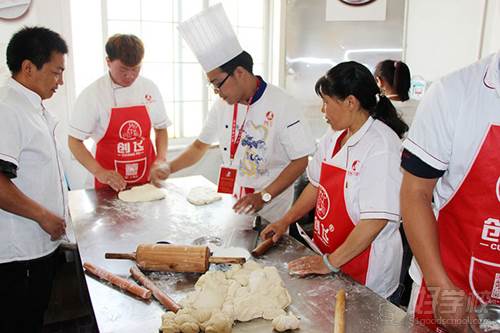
(450, 124)
(371, 158)
(274, 134)
(28, 141)
(406, 109)
(92, 110)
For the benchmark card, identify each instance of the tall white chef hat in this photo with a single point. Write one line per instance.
(211, 37)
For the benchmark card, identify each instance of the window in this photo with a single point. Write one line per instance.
(168, 60)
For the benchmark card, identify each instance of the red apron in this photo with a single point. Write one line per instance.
(332, 224)
(469, 232)
(126, 146)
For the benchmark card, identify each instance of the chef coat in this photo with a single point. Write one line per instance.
(29, 142)
(450, 125)
(371, 159)
(274, 134)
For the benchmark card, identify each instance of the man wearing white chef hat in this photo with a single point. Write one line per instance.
(262, 138)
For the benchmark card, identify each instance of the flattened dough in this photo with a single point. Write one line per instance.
(202, 195)
(146, 192)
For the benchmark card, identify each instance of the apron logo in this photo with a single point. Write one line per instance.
(130, 130)
(269, 115)
(323, 203)
(354, 168)
(491, 233)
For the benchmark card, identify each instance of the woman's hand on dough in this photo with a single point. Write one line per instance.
(308, 265)
(160, 170)
(111, 178)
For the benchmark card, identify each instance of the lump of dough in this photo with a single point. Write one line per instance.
(168, 324)
(190, 327)
(219, 323)
(286, 322)
(146, 192)
(202, 195)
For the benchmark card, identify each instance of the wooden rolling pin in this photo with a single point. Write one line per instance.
(174, 258)
(167, 302)
(339, 312)
(263, 247)
(118, 281)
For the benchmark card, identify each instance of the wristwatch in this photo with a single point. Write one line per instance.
(266, 196)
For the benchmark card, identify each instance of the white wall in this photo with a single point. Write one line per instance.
(445, 35)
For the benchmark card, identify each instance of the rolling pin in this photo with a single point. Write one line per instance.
(263, 247)
(174, 258)
(118, 281)
(166, 301)
(339, 312)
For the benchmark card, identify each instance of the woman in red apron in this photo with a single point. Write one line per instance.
(348, 220)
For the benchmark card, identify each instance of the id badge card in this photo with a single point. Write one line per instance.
(227, 179)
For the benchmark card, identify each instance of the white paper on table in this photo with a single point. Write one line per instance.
(308, 240)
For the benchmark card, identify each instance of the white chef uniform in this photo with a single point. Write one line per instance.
(371, 159)
(274, 134)
(29, 142)
(449, 129)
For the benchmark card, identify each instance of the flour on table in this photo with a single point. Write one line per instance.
(243, 293)
(146, 192)
(238, 252)
(202, 195)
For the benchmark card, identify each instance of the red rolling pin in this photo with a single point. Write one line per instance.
(118, 281)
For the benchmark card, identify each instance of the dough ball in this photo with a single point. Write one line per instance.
(286, 322)
(146, 192)
(202, 195)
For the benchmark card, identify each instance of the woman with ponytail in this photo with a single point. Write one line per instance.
(394, 80)
(354, 184)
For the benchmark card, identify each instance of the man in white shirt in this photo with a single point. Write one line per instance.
(33, 198)
(261, 134)
(450, 197)
(118, 111)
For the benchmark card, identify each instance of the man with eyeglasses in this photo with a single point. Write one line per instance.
(262, 138)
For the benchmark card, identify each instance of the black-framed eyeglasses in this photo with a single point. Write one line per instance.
(219, 85)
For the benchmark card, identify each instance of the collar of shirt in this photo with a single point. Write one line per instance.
(492, 76)
(30, 95)
(354, 139)
(260, 90)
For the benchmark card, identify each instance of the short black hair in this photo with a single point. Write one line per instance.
(244, 59)
(35, 44)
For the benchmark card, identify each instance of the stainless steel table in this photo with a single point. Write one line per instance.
(102, 223)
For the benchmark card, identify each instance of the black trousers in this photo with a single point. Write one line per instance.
(25, 288)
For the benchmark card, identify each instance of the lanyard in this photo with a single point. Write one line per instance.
(236, 141)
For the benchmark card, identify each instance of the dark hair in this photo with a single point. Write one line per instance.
(129, 49)
(352, 78)
(397, 75)
(244, 59)
(35, 44)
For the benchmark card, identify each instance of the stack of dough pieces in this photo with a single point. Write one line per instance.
(243, 293)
